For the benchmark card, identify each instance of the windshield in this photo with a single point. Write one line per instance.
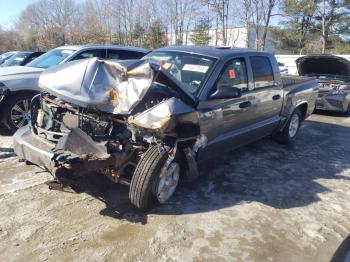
(5, 55)
(16, 59)
(51, 58)
(189, 69)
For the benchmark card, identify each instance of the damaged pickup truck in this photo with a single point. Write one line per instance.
(333, 75)
(147, 123)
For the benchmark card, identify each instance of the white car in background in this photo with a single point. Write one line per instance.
(283, 68)
(18, 84)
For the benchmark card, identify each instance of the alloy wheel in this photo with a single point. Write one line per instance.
(20, 113)
(168, 182)
(294, 125)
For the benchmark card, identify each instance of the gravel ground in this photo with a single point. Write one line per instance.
(263, 202)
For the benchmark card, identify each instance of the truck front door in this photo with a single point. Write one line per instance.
(224, 122)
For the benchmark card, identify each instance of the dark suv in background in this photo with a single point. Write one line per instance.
(21, 58)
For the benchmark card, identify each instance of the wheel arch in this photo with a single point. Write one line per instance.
(303, 106)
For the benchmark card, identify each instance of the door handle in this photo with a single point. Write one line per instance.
(276, 97)
(245, 104)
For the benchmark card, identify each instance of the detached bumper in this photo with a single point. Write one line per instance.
(32, 148)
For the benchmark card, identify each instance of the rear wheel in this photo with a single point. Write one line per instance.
(155, 179)
(347, 112)
(288, 135)
(16, 111)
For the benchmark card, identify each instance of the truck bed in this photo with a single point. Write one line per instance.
(290, 81)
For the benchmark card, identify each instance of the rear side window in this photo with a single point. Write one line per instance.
(124, 55)
(262, 71)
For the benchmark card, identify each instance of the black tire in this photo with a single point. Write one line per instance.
(8, 110)
(146, 176)
(347, 112)
(284, 137)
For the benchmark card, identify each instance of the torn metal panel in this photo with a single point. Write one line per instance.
(79, 143)
(104, 85)
(162, 116)
(192, 171)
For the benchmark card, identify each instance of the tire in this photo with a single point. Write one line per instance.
(289, 133)
(347, 112)
(16, 110)
(148, 177)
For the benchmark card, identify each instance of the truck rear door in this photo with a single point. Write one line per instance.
(268, 92)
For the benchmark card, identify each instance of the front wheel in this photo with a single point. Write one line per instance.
(289, 133)
(16, 111)
(155, 179)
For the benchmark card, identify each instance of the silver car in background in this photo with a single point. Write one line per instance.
(18, 84)
(333, 75)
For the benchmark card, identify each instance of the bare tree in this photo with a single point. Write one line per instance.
(179, 18)
(269, 6)
(220, 10)
(262, 11)
(246, 18)
(48, 22)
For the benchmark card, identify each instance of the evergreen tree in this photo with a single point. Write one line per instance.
(200, 35)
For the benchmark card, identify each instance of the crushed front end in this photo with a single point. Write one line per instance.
(333, 75)
(334, 95)
(104, 118)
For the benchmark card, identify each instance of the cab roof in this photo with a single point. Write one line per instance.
(114, 47)
(213, 51)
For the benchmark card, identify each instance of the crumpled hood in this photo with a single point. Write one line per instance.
(323, 65)
(107, 85)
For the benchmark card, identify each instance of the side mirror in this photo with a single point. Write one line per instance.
(223, 92)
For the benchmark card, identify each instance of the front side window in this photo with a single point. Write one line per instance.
(124, 54)
(89, 54)
(189, 69)
(262, 71)
(51, 58)
(234, 75)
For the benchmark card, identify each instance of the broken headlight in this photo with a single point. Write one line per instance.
(158, 117)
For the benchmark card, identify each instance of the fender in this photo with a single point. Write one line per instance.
(292, 108)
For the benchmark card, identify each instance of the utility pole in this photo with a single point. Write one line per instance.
(324, 27)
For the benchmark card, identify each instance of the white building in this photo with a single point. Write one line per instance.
(236, 37)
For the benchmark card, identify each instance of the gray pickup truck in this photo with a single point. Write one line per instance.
(147, 123)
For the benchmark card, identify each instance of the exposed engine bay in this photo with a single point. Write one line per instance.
(333, 76)
(111, 134)
(334, 84)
